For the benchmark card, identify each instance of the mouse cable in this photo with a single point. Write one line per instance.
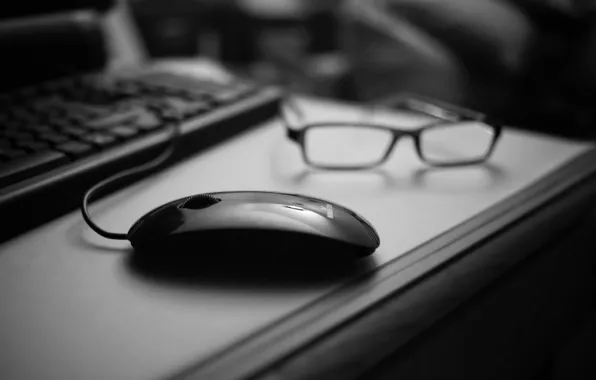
(126, 174)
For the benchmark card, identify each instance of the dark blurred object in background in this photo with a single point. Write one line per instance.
(21, 8)
(46, 47)
(168, 27)
(529, 63)
(292, 43)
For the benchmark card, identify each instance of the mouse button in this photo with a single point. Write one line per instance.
(250, 216)
(363, 221)
(290, 218)
(198, 202)
(241, 196)
(353, 229)
(261, 197)
(151, 214)
(156, 224)
(225, 218)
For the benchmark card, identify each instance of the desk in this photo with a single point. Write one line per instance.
(72, 308)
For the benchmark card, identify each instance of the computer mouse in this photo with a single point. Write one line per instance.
(254, 225)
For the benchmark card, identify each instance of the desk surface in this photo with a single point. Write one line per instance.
(71, 306)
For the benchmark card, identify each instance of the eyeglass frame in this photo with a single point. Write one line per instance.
(447, 113)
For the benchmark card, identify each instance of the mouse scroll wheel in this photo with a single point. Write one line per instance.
(199, 201)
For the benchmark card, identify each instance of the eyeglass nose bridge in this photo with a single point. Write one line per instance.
(398, 135)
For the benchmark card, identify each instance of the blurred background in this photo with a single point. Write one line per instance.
(531, 63)
(293, 43)
(528, 62)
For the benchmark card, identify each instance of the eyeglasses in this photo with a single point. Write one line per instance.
(456, 136)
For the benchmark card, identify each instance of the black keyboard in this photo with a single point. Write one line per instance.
(59, 138)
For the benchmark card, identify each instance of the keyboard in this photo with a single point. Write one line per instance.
(60, 137)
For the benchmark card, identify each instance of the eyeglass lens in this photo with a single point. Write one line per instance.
(456, 143)
(346, 146)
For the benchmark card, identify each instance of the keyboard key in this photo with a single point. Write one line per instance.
(99, 139)
(27, 166)
(43, 104)
(32, 145)
(54, 137)
(75, 148)
(59, 121)
(115, 119)
(129, 88)
(80, 119)
(73, 131)
(23, 114)
(9, 153)
(88, 111)
(123, 132)
(147, 122)
(231, 94)
(53, 114)
(39, 129)
(174, 81)
(18, 134)
(185, 108)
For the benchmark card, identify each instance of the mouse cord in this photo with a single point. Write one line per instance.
(127, 174)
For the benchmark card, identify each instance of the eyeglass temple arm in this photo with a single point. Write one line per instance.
(289, 102)
(431, 107)
(294, 134)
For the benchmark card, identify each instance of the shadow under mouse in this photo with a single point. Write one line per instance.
(266, 268)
